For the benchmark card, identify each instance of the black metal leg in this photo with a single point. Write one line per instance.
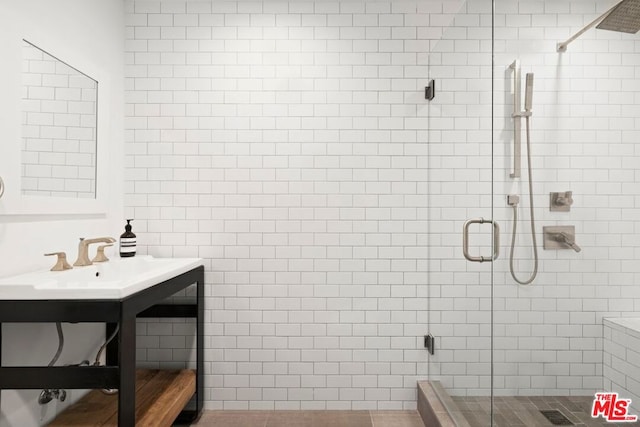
(127, 362)
(0, 356)
(111, 354)
(200, 343)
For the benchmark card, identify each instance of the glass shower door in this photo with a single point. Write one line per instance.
(460, 202)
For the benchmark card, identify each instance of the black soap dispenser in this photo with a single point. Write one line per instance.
(128, 241)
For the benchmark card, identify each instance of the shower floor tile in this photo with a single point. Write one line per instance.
(524, 411)
(309, 419)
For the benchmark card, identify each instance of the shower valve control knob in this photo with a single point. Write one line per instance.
(560, 201)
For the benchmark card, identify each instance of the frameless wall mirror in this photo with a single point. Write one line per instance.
(59, 127)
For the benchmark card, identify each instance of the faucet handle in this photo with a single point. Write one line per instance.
(61, 262)
(565, 238)
(560, 201)
(100, 256)
(565, 199)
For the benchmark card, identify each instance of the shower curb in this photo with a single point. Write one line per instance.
(436, 408)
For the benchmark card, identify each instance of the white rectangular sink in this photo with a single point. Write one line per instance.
(115, 279)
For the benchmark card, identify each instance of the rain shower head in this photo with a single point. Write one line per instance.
(624, 17)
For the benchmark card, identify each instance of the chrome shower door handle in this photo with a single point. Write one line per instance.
(496, 240)
(1, 187)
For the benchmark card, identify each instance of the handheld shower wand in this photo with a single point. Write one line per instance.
(528, 93)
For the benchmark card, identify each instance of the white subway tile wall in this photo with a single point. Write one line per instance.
(289, 144)
(621, 360)
(58, 127)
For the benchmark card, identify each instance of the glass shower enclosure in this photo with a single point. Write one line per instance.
(508, 352)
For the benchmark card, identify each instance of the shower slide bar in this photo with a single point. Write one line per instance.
(495, 242)
(517, 122)
(518, 114)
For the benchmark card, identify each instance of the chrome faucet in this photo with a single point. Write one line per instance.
(83, 249)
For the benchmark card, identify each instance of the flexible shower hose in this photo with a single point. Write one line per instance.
(532, 221)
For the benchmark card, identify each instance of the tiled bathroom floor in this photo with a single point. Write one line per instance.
(524, 411)
(309, 419)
